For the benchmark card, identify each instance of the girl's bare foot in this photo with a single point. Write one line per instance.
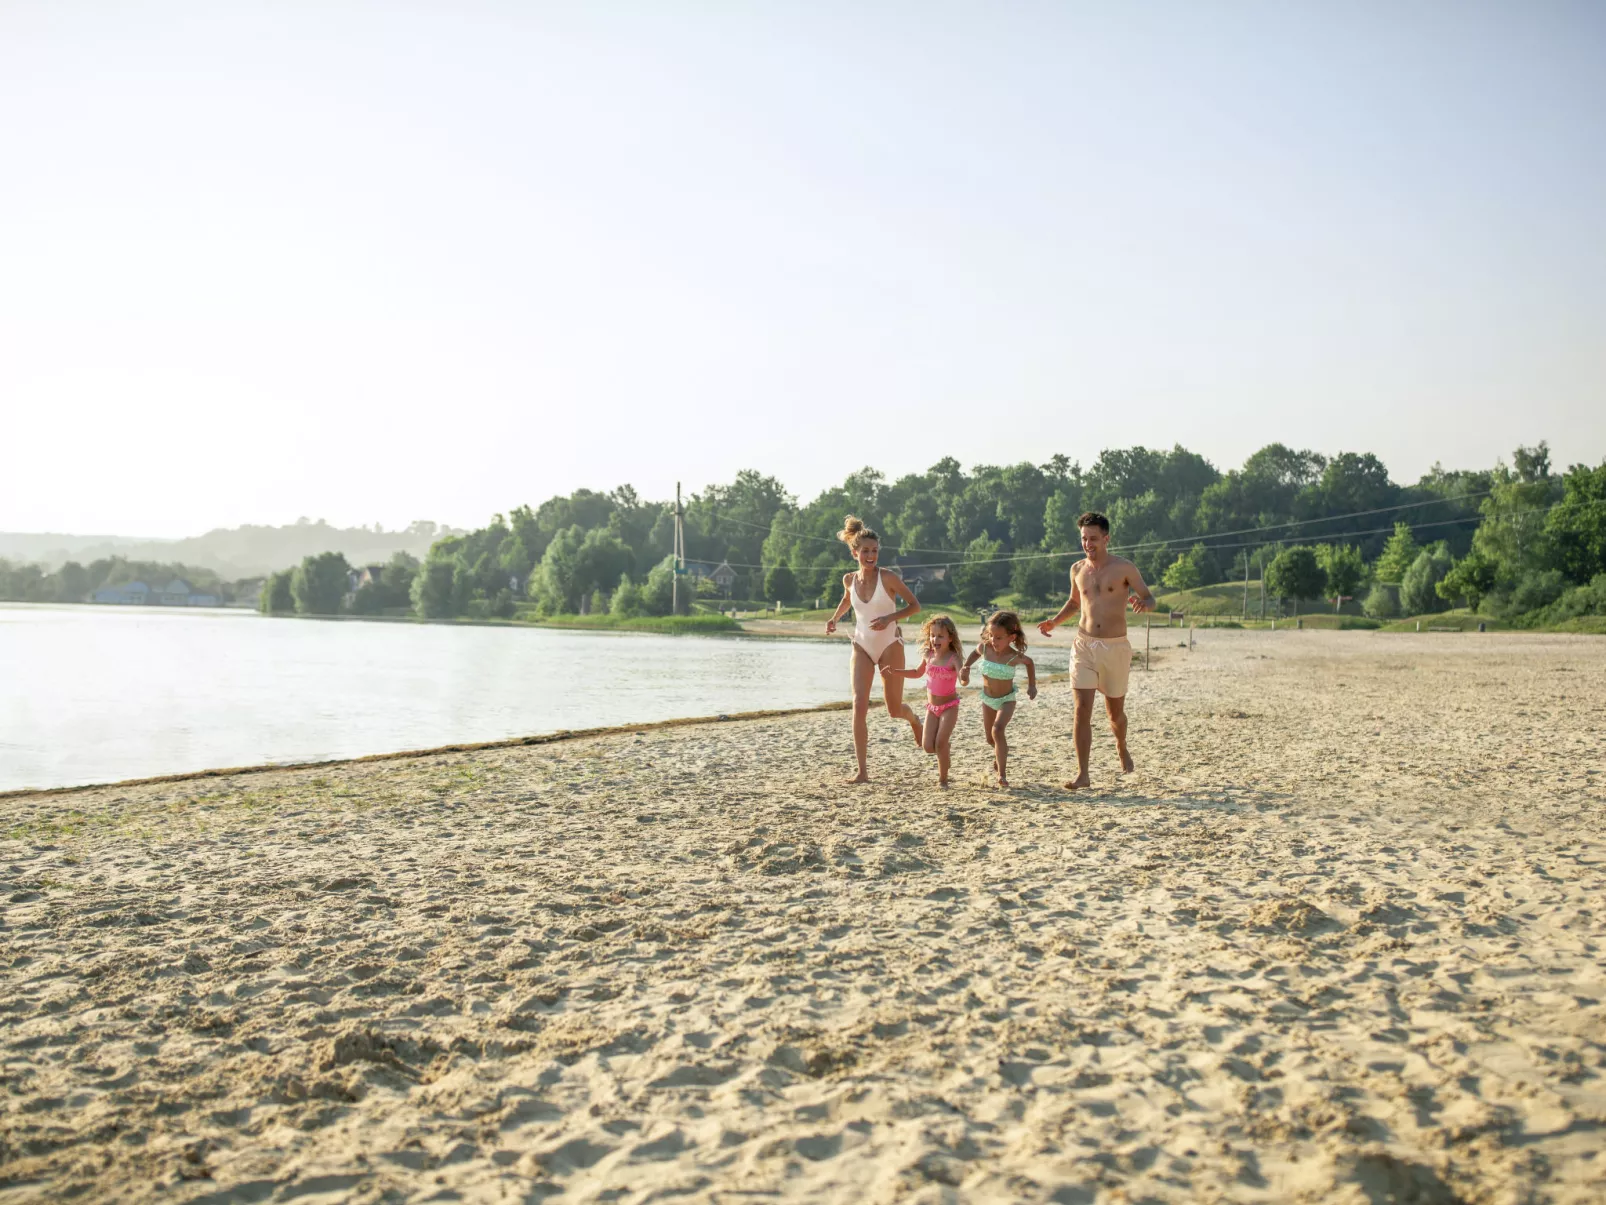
(853, 782)
(1126, 762)
(1078, 783)
(1003, 783)
(943, 783)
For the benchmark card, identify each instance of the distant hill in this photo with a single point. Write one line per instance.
(232, 553)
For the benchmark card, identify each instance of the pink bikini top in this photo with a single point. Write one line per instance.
(940, 679)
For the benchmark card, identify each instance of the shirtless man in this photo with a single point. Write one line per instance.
(1100, 654)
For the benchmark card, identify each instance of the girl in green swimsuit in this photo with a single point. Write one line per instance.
(1002, 651)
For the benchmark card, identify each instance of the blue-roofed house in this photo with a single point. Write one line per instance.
(127, 593)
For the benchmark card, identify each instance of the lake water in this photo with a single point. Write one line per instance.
(96, 694)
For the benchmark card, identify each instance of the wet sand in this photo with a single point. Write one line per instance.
(1338, 939)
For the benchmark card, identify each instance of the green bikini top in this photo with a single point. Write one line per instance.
(997, 669)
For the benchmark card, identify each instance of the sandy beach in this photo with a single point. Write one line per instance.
(1339, 939)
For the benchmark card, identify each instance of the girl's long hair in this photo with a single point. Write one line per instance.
(1008, 621)
(945, 624)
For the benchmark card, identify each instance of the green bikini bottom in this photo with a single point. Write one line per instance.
(998, 703)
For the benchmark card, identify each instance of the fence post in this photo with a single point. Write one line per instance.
(1190, 638)
(1148, 623)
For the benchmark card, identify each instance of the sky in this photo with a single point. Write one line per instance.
(375, 262)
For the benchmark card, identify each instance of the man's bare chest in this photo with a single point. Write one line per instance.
(1102, 583)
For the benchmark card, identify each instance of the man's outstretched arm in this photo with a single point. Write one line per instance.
(1073, 604)
(1142, 598)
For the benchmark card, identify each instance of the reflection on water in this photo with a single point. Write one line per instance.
(96, 694)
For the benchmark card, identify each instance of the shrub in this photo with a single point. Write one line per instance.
(1381, 603)
(1538, 590)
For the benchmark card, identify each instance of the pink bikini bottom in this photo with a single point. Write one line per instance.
(939, 708)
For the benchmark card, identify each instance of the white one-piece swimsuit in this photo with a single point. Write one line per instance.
(880, 603)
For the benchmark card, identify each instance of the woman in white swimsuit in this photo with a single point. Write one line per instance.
(874, 595)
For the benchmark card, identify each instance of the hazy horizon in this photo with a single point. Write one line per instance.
(372, 264)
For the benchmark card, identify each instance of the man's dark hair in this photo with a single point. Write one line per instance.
(1092, 518)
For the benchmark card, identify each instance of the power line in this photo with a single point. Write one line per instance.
(1193, 539)
(1038, 556)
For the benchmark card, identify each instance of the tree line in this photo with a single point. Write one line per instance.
(1512, 540)
(76, 583)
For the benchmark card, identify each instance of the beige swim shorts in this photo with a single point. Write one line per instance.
(1104, 664)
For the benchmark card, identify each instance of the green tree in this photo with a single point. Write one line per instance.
(1418, 589)
(73, 582)
(1470, 578)
(1033, 577)
(434, 588)
(318, 584)
(982, 574)
(1344, 566)
(780, 584)
(627, 602)
(1060, 531)
(1296, 573)
(1576, 526)
(657, 595)
(1397, 556)
(276, 598)
(556, 585)
(1183, 573)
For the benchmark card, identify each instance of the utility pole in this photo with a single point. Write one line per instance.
(680, 554)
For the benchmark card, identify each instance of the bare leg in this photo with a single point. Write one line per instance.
(945, 729)
(892, 689)
(1001, 743)
(1084, 736)
(988, 715)
(1117, 712)
(862, 674)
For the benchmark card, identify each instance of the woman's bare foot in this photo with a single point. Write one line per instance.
(1078, 783)
(853, 782)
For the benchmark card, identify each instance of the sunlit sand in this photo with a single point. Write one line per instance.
(1337, 939)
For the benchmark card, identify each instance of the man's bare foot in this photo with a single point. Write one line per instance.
(853, 782)
(1126, 762)
(1079, 783)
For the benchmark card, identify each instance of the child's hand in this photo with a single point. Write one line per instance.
(1031, 691)
(964, 676)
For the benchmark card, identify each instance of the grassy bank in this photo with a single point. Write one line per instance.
(694, 625)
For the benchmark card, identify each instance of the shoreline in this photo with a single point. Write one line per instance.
(511, 742)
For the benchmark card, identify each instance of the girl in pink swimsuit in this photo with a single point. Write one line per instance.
(943, 658)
